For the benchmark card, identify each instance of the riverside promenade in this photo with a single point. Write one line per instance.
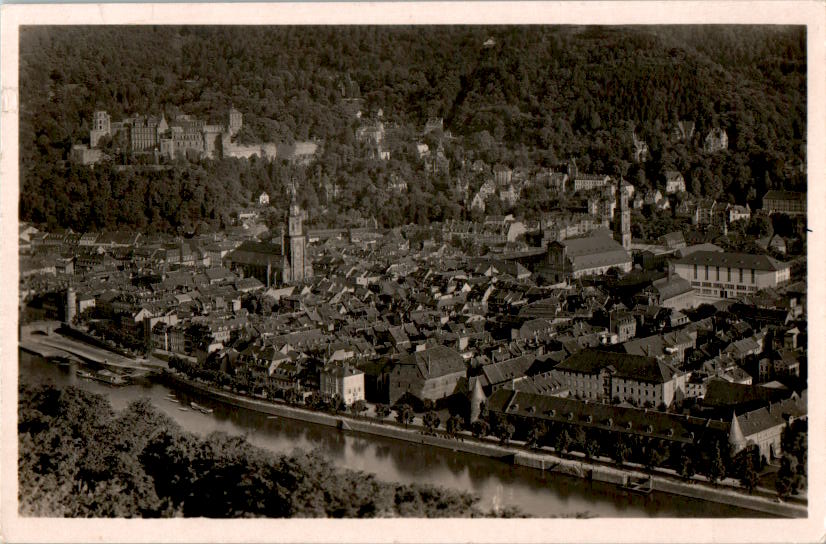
(725, 492)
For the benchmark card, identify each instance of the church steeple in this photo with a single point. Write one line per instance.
(296, 255)
(622, 219)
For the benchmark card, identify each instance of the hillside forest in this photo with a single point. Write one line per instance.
(527, 97)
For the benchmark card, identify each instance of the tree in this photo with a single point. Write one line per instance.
(655, 454)
(382, 411)
(621, 451)
(505, 432)
(686, 466)
(337, 404)
(717, 468)
(562, 441)
(758, 226)
(453, 425)
(783, 225)
(788, 479)
(591, 448)
(291, 396)
(749, 476)
(431, 422)
(358, 407)
(535, 435)
(480, 428)
(404, 414)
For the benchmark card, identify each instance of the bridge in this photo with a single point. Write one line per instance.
(40, 327)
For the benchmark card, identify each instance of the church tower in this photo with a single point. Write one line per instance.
(297, 242)
(622, 219)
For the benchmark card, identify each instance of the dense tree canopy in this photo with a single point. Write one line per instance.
(79, 458)
(539, 95)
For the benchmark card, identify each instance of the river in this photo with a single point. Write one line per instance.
(495, 482)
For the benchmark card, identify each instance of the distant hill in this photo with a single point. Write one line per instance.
(533, 96)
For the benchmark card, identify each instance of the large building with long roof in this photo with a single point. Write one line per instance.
(717, 275)
(604, 376)
(592, 254)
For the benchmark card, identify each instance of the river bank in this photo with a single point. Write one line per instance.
(497, 484)
(543, 461)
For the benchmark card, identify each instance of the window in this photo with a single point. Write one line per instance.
(706, 271)
(695, 271)
(752, 275)
(729, 273)
(741, 275)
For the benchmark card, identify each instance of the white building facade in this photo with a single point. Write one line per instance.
(719, 275)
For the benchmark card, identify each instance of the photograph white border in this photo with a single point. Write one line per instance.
(14, 528)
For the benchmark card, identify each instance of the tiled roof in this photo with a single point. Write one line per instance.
(784, 195)
(671, 287)
(686, 251)
(624, 365)
(508, 370)
(257, 253)
(541, 384)
(605, 416)
(595, 250)
(436, 361)
(733, 260)
(773, 415)
(673, 237)
(721, 393)
(656, 345)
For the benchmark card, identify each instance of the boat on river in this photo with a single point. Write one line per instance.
(638, 485)
(202, 409)
(106, 376)
(61, 360)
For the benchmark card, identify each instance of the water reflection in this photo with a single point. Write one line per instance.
(495, 482)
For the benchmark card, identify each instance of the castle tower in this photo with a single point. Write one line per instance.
(572, 171)
(622, 220)
(101, 126)
(234, 121)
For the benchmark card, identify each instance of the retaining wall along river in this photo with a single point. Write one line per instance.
(540, 461)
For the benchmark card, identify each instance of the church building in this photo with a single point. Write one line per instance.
(276, 264)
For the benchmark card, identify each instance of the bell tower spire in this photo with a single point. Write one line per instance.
(296, 239)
